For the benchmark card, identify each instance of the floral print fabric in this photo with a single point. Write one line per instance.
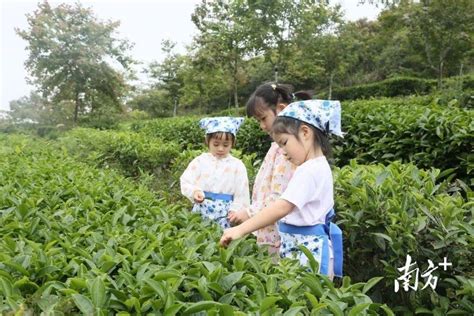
(322, 114)
(217, 175)
(270, 182)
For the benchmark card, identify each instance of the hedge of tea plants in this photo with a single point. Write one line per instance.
(383, 130)
(429, 136)
(405, 86)
(81, 240)
(131, 153)
(387, 88)
(388, 212)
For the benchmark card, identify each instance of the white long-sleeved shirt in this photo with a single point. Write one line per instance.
(218, 175)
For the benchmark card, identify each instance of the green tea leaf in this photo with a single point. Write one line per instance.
(201, 306)
(372, 282)
(268, 302)
(357, 310)
(98, 294)
(229, 280)
(84, 304)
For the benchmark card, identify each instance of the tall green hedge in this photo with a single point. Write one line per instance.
(427, 135)
(384, 130)
(397, 86)
(392, 87)
(389, 212)
(131, 152)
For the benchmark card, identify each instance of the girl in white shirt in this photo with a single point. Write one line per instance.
(216, 182)
(305, 209)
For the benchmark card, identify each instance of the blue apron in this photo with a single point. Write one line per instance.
(319, 245)
(215, 208)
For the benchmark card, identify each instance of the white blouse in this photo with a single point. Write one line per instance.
(217, 175)
(311, 191)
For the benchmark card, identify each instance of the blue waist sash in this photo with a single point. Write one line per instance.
(218, 196)
(328, 231)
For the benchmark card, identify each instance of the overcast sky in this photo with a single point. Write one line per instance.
(145, 23)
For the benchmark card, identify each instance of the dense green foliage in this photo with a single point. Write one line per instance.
(427, 135)
(132, 153)
(458, 89)
(388, 88)
(390, 211)
(407, 129)
(70, 58)
(78, 239)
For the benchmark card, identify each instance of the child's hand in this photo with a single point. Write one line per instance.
(237, 217)
(229, 235)
(198, 196)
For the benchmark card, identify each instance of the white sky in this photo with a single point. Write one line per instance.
(145, 23)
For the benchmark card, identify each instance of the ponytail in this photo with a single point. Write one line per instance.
(269, 95)
(303, 95)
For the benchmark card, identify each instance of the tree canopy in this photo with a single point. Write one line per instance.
(75, 56)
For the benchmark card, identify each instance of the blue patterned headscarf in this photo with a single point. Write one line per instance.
(325, 115)
(221, 124)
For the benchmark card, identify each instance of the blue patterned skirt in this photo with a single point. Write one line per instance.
(322, 240)
(215, 207)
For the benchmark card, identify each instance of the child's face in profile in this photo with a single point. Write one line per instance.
(293, 148)
(220, 147)
(265, 118)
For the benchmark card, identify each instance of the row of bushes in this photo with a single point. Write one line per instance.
(429, 136)
(381, 130)
(76, 239)
(392, 87)
(388, 212)
(400, 86)
(132, 153)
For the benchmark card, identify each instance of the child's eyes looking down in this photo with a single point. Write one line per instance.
(224, 144)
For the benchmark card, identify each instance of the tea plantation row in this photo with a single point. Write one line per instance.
(80, 240)
(387, 212)
(383, 130)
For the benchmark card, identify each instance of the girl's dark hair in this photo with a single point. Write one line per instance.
(220, 135)
(303, 95)
(288, 125)
(270, 94)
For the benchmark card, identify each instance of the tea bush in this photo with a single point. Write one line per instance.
(388, 212)
(398, 86)
(407, 129)
(132, 153)
(392, 87)
(79, 240)
(429, 136)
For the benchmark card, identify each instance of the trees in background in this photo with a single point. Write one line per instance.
(75, 57)
(444, 32)
(168, 77)
(239, 45)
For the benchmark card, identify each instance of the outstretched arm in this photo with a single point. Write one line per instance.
(269, 215)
